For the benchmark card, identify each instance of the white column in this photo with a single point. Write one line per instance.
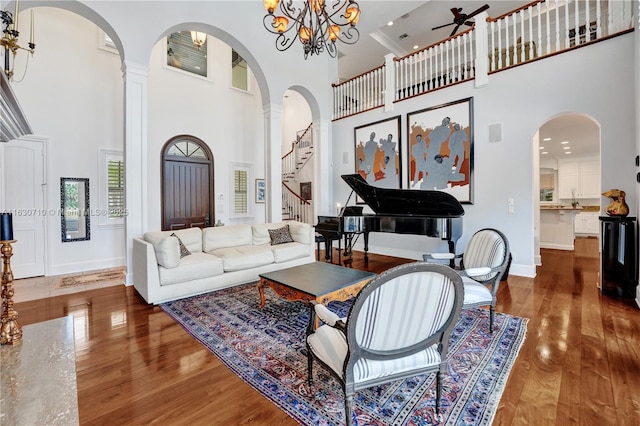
(389, 82)
(323, 201)
(273, 163)
(482, 50)
(135, 156)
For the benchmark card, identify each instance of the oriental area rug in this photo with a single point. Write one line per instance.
(265, 348)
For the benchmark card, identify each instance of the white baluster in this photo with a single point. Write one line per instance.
(499, 44)
(523, 39)
(588, 22)
(577, 24)
(598, 19)
(539, 29)
(548, 32)
(557, 9)
(492, 48)
(531, 37)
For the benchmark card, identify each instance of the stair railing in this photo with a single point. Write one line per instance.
(294, 207)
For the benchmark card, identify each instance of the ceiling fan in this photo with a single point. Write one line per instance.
(460, 18)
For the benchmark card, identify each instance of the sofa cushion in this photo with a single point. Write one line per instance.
(191, 237)
(289, 251)
(218, 237)
(166, 247)
(244, 257)
(184, 251)
(260, 232)
(280, 235)
(193, 267)
(300, 232)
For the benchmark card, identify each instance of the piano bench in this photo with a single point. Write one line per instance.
(321, 239)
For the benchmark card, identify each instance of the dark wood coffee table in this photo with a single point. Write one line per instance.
(319, 281)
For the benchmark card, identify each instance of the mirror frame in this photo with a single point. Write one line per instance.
(84, 210)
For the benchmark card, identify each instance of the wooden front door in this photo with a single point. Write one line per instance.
(187, 184)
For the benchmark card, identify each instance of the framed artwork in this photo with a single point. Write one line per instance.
(377, 153)
(440, 149)
(261, 191)
(305, 190)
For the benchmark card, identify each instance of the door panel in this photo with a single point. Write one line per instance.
(24, 197)
(187, 195)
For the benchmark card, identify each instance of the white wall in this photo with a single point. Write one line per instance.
(72, 94)
(227, 119)
(523, 98)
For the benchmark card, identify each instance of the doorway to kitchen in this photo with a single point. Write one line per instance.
(566, 182)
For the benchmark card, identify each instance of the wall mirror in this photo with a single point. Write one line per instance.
(74, 209)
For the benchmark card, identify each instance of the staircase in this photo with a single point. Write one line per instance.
(294, 206)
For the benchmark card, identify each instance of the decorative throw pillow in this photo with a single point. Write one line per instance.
(280, 235)
(184, 251)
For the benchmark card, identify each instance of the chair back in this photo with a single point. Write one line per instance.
(487, 248)
(403, 311)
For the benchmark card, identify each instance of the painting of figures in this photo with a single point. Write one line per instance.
(441, 149)
(377, 153)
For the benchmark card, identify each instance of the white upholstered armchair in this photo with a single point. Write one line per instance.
(482, 267)
(399, 326)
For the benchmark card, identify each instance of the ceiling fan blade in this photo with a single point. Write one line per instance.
(442, 26)
(475, 12)
(456, 12)
(454, 30)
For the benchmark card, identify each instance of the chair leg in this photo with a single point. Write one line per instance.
(491, 315)
(309, 368)
(348, 408)
(438, 391)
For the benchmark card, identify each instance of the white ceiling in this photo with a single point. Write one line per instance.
(416, 19)
(578, 133)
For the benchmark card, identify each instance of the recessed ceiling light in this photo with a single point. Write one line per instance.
(564, 142)
(390, 23)
(544, 152)
(566, 147)
(567, 152)
(416, 46)
(542, 147)
(546, 139)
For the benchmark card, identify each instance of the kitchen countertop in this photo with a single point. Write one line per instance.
(595, 209)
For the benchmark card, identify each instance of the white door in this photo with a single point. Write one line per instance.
(24, 196)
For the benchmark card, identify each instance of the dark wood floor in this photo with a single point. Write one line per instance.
(580, 363)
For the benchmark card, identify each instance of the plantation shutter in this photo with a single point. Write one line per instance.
(546, 181)
(240, 191)
(115, 188)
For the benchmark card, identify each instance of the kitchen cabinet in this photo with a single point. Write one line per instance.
(582, 176)
(587, 223)
(557, 228)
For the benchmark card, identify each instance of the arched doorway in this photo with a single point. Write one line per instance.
(566, 181)
(187, 183)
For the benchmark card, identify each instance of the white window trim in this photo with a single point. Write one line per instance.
(208, 78)
(250, 191)
(104, 221)
(249, 90)
(103, 44)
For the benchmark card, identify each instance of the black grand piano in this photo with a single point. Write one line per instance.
(434, 214)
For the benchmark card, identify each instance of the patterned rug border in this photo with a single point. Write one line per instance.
(459, 414)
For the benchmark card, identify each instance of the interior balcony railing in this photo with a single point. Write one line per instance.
(534, 31)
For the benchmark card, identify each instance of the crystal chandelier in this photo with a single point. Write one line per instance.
(315, 24)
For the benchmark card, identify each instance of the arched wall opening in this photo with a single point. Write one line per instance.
(567, 182)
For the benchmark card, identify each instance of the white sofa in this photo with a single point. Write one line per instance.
(220, 257)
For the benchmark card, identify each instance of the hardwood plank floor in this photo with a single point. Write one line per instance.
(580, 363)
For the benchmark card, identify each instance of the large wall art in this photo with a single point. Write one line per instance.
(377, 153)
(440, 149)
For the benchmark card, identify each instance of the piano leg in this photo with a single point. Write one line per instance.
(366, 245)
(452, 250)
(328, 249)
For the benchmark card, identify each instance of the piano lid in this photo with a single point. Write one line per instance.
(406, 202)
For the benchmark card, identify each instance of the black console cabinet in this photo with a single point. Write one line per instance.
(619, 273)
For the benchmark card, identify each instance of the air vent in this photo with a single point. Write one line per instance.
(403, 36)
